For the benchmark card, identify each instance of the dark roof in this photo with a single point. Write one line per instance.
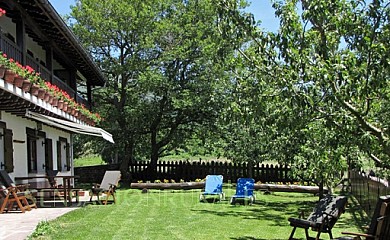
(61, 37)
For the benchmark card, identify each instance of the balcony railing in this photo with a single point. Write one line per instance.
(10, 48)
(13, 51)
(45, 73)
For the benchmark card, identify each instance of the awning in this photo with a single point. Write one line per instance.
(70, 126)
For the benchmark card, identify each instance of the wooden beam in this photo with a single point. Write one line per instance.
(288, 188)
(175, 186)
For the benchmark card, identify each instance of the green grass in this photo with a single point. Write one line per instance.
(180, 215)
(91, 160)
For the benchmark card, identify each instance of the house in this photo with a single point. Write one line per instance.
(49, 98)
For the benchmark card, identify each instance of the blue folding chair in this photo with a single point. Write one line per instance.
(213, 187)
(244, 191)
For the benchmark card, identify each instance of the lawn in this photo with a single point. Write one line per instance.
(90, 160)
(180, 215)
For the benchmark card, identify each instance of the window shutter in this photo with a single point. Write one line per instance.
(48, 154)
(8, 150)
(67, 157)
(59, 164)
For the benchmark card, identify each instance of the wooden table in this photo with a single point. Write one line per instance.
(66, 186)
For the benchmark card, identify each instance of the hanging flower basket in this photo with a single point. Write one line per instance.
(34, 89)
(65, 107)
(60, 104)
(18, 81)
(46, 97)
(41, 93)
(50, 99)
(82, 117)
(9, 76)
(26, 85)
(69, 109)
(54, 102)
(2, 71)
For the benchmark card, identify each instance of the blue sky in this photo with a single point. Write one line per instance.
(261, 9)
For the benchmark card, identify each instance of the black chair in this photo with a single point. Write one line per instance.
(379, 228)
(51, 174)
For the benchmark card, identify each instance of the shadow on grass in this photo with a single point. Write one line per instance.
(277, 213)
(211, 200)
(262, 210)
(250, 238)
(360, 218)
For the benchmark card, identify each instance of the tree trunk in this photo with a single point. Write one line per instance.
(152, 169)
(124, 166)
(321, 188)
(288, 188)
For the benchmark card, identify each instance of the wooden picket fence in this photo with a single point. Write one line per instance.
(367, 189)
(191, 171)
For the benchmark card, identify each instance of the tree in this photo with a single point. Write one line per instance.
(165, 66)
(116, 32)
(338, 49)
(329, 61)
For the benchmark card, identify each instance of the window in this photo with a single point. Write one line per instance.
(35, 149)
(32, 154)
(6, 147)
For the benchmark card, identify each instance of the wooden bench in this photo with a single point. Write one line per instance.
(60, 191)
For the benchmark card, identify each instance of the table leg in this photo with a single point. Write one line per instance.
(65, 182)
(69, 192)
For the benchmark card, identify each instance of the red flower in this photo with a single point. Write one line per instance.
(30, 69)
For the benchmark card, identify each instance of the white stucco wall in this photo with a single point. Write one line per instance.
(18, 126)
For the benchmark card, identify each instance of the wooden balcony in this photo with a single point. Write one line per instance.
(8, 47)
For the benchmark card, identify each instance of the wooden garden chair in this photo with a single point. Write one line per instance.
(107, 186)
(379, 228)
(323, 218)
(11, 196)
(21, 189)
(8, 182)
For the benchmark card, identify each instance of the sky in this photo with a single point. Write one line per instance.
(261, 9)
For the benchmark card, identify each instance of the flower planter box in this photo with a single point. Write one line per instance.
(26, 85)
(34, 89)
(9, 76)
(2, 71)
(18, 81)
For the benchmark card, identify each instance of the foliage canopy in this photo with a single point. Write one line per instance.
(314, 94)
